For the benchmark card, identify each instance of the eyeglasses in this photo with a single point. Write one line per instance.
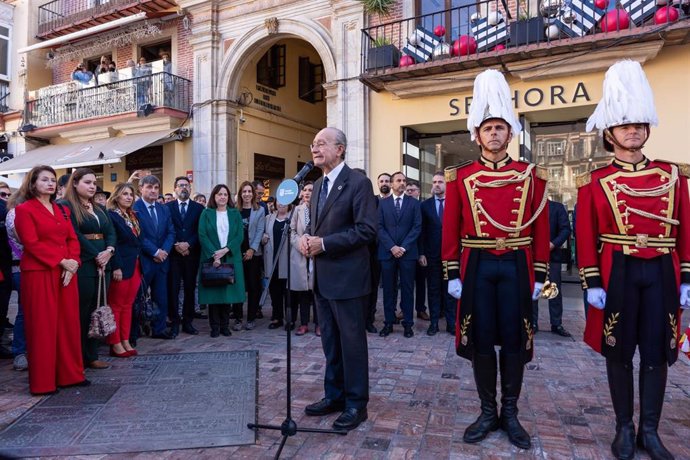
(4, 194)
(322, 144)
(183, 185)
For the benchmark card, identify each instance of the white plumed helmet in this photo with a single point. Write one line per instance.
(491, 99)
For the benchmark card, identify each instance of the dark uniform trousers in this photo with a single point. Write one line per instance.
(183, 270)
(439, 299)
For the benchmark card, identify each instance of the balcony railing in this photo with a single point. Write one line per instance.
(4, 96)
(473, 31)
(71, 102)
(66, 15)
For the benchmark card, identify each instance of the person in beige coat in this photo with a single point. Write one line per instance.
(276, 264)
(301, 271)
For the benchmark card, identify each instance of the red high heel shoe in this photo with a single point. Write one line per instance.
(132, 352)
(114, 354)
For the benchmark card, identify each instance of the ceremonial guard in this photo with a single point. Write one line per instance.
(633, 229)
(495, 251)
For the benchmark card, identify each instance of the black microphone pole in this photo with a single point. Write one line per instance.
(287, 193)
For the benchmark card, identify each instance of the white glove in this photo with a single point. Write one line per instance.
(596, 297)
(685, 296)
(537, 290)
(455, 288)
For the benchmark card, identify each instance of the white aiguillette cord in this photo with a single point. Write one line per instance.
(648, 193)
(513, 180)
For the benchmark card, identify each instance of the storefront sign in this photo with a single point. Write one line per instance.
(268, 167)
(554, 95)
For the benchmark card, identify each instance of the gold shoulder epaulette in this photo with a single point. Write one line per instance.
(451, 172)
(683, 168)
(583, 179)
(542, 173)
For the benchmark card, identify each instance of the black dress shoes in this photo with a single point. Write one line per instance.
(165, 335)
(387, 329)
(408, 332)
(350, 419)
(174, 330)
(451, 330)
(5, 353)
(275, 324)
(324, 407)
(560, 330)
(215, 333)
(372, 329)
(225, 331)
(199, 315)
(189, 329)
(433, 330)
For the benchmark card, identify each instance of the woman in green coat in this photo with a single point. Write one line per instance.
(97, 239)
(221, 234)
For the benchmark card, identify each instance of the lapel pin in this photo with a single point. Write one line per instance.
(340, 187)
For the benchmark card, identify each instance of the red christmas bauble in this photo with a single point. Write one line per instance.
(464, 46)
(666, 14)
(406, 61)
(500, 47)
(615, 20)
(601, 4)
(439, 31)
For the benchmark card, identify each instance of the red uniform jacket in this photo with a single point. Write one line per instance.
(609, 220)
(469, 210)
(47, 238)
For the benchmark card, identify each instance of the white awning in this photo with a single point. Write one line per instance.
(83, 33)
(82, 154)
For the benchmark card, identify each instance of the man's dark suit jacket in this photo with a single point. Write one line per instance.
(154, 237)
(347, 225)
(127, 248)
(559, 226)
(431, 230)
(188, 230)
(399, 230)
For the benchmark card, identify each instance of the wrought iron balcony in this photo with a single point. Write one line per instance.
(488, 33)
(4, 96)
(60, 17)
(72, 102)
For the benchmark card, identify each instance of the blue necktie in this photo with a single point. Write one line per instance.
(183, 210)
(440, 209)
(154, 218)
(323, 195)
(397, 205)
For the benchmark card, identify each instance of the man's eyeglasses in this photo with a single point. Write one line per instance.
(183, 185)
(4, 195)
(322, 144)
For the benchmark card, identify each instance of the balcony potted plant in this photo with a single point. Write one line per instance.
(529, 27)
(382, 54)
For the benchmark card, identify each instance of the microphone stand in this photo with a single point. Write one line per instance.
(288, 427)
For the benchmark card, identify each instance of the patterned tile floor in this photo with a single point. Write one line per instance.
(422, 397)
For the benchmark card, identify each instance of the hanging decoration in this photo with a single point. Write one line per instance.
(106, 42)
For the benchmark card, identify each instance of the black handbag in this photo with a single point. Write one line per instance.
(221, 275)
(145, 307)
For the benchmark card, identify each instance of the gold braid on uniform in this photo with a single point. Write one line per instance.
(647, 193)
(500, 183)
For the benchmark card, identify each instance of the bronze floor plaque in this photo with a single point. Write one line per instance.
(145, 403)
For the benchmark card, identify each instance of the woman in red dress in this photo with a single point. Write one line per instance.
(49, 293)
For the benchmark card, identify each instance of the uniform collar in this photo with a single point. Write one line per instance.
(495, 164)
(640, 165)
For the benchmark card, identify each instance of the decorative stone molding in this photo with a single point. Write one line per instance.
(596, 61)
(271, 25)
(418, 87)
(6, 13)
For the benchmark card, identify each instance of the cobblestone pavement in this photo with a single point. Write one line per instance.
(422, 397)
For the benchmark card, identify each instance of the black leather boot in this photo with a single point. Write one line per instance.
(484, 367)
(621, 387)
(512, 370)
(652, 389)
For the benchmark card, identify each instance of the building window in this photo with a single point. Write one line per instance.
(456, 22)
(5, 32)
(310, 79)
(155, 51)
(270, 70)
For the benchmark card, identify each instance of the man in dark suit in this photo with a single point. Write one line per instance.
(413, 190)
(400, 223)
(184, 259)
(157, 238)
(432, 219)
(343, 225)
(559, 228)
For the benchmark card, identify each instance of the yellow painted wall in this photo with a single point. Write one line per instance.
(668, 73)
(287, 97)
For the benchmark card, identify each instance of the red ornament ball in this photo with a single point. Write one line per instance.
(406, 61)
(439, 31)
(666, 14)
(464, 46)
(601, 4)
(615, 20)
(499, 47)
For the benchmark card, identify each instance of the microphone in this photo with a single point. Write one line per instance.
(304, 171)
